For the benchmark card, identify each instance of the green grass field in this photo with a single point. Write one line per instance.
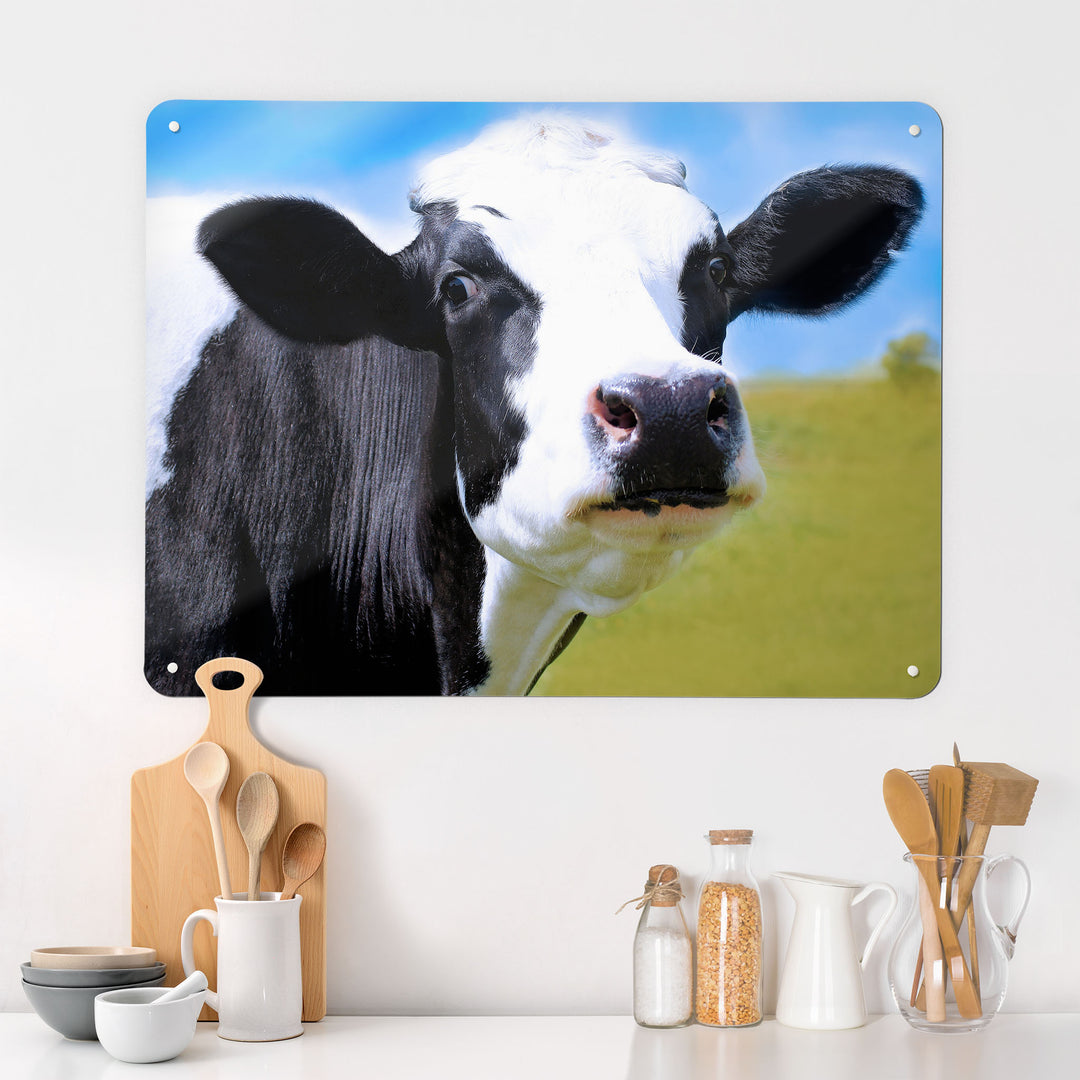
(831, 587)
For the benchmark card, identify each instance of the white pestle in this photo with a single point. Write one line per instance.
(195, 982)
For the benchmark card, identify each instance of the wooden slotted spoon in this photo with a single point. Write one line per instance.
(947, 807)
(256, 814)
(945, 793)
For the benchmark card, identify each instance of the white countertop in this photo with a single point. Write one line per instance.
(1040, 1047)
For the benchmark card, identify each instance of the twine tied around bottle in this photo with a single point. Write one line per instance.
(661, 890)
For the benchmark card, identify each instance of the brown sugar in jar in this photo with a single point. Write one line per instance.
(729, 935)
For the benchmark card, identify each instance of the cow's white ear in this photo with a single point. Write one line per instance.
(309, 272)
(822, 239)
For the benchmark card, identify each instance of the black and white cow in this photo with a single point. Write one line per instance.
(417, 473)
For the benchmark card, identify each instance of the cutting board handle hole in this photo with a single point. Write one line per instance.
(228, 680)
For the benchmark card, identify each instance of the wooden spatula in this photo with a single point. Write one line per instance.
(945, 795)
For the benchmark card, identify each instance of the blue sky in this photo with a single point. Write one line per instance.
(364, 156)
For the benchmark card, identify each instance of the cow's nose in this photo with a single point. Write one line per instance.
(679, 434)
(632, 405)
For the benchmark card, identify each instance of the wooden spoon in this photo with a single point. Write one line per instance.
(256, 813)
(206, 768)
(930, 956)
(912, 819)
(302, 856)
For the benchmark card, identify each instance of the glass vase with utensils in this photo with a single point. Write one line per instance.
(948, 966)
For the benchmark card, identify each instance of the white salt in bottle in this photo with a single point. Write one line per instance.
(663, 955)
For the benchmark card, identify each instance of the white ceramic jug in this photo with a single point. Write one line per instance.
(821, 986)
(259, 994)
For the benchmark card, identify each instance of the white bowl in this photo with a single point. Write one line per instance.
(132, 1028)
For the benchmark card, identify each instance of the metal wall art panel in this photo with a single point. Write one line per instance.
(604, 399)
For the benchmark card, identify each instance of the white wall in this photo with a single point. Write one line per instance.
(479, 848)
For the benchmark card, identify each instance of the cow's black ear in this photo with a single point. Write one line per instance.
(309, 272)
(822, 238)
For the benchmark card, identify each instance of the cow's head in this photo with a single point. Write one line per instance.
(581, 296)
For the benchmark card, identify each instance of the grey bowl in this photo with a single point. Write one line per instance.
(101, 978)
(70, 1009)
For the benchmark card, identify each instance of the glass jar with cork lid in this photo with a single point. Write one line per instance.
(729, 932)
(663, 953)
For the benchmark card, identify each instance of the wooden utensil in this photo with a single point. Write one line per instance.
(958, 911)
(206, 768)
(945, 797)
(172, 865)
(912, 819)
(947, 808)
(994, 794)
(918, 992)
(302, 856)
(256, 815)
(931, 956)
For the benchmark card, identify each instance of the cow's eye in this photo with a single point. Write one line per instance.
(718, 269)
(458, 288)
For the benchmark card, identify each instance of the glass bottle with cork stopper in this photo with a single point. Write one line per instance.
(663, 953)
(729, 968)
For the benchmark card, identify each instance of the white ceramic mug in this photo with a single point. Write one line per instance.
(260, 994)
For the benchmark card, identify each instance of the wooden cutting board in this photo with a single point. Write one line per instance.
(173, 870)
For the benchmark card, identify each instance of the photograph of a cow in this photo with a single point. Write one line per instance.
(418, 472)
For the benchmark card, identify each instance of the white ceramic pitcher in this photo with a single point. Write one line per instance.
(821, 986)
(259, 994)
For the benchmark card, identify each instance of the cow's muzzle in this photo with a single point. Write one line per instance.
(667, 443)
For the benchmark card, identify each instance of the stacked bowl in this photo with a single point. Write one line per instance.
(61, 983)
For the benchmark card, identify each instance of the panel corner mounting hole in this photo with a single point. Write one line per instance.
(913, 671)
(172, 668)
(174, 126)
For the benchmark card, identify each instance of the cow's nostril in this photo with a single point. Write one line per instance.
(717, 413)
(615, 411)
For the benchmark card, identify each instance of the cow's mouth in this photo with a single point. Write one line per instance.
(652, 501)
